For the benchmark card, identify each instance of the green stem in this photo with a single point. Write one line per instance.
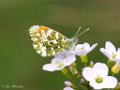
(74, 71)
(65, 72)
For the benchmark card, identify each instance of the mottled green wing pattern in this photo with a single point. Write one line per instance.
(46, 41)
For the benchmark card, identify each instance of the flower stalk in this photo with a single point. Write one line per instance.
(84, 59)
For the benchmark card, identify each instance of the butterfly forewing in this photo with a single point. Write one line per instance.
(46, 41)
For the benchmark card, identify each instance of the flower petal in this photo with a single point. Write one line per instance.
(58, 57)
(69, 59)
(104, 52)
(118, 49)
(110, 82)
(88, 73)
(96, 86)
(86, 46)
(93, 47)
(110, 48)
(100, 69)
(49, 67)
(80, 49)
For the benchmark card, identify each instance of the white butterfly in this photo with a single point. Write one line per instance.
(48, 42)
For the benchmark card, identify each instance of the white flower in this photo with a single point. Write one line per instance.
(68, 88)
(98, 76)
(60, 61)
(111, 52)
(84, 49)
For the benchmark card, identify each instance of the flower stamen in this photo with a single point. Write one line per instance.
(59, 64)
(99, 79)
(114, 55)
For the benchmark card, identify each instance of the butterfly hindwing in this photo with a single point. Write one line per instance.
(46, 41)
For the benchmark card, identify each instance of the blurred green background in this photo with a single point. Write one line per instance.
(19, 63)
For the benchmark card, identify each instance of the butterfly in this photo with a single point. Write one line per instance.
(49, 42)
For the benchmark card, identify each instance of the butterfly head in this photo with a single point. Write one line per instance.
(73, 41)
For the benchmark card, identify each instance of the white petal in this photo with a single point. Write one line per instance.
(88, 73)
(110, 82)
(49, 67)
(100, 69)
(118, 61)
(80, 53)
(54, 60)
(86, 46)
(118, 49)
(80, 49)
(118, 55)
(68, 88)
(58, 57)
(96, 86)
(110, 48)
(69, 59)
(93, 47)
(104, 52)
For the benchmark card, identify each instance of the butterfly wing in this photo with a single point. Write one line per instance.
(46, 41)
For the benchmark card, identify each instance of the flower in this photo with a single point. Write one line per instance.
(84, 49)
(60, 61)
(98, 76)
(111, 52)
(68, 88)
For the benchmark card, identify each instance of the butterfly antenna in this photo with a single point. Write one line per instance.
(83, 32)
(78, 31)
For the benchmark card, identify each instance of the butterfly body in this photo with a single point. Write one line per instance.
(48, 42)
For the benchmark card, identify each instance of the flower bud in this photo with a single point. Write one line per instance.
(116, 68)
(82, 81)
(68, 83)
(91, 63)
(110, 63)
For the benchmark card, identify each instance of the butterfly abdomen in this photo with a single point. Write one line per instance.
(46, 41)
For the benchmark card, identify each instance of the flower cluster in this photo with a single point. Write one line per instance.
(91, 75)
(94, 75)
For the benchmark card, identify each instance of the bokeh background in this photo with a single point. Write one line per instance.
(19, 63)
